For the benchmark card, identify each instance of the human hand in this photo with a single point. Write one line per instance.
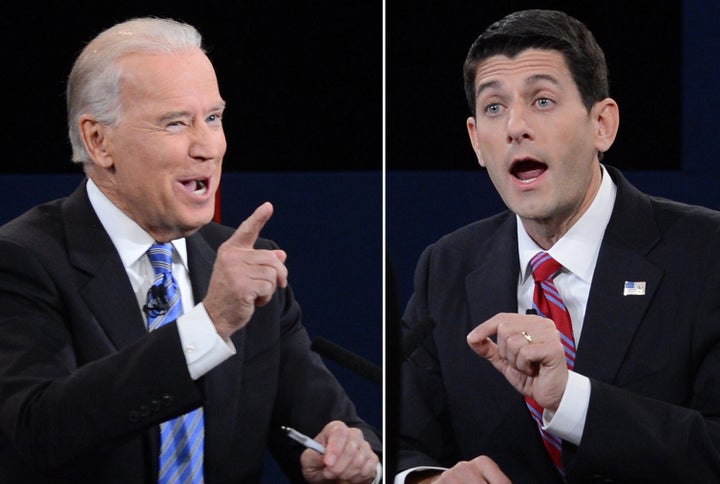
(479, 470)
(244, 278)
(347, 458)
(536, 366)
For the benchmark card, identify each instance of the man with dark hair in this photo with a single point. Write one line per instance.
(548, 30)
(576, 336)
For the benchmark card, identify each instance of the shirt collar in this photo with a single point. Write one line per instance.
(578, 249)
(130, 240)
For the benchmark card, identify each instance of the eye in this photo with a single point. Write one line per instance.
(544, 103)
(175, 126)
(493, 109)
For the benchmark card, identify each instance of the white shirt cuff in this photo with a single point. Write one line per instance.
(378, 474)
(568, 421)
(203, 347)
(400, 478)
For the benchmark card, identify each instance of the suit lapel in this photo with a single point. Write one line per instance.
(611, 317)
(103, 283)
(492, 289)
(496, 273)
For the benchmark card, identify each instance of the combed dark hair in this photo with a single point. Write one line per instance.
(547, 30)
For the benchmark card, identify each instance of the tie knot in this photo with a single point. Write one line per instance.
(544, 267)
(161, 258)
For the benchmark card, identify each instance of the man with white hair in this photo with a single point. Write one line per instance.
(140, 341)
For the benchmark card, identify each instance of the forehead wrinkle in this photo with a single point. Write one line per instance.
(537, 62)
(529, 81)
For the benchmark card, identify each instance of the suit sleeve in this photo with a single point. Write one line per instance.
(425, 435)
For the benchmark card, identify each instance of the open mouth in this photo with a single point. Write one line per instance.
(198, 186)
(527, 169)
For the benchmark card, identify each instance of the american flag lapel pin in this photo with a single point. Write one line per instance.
(634, 288)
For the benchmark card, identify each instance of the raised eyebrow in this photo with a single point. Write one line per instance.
(485, 86)
(534, 79)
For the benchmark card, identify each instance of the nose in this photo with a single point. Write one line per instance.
(207, 142)
(518, 128)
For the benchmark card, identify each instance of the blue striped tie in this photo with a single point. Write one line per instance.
(181, 439)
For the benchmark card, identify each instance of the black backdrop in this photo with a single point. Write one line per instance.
(303, 80)
(426, 45)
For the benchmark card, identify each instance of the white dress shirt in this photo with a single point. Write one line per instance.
(577, 251)
(203, 347)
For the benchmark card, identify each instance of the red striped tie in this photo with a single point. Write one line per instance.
(548, 304)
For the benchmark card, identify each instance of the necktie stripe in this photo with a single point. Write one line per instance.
(568, 347)
(538, 260)
(553, 440)
(548, 303)
(182, 438)
(553, 296)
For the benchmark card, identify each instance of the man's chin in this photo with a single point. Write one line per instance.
(184, 228)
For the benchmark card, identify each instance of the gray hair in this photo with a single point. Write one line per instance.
(94, 83)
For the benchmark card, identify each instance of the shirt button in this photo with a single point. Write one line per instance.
(189, 348)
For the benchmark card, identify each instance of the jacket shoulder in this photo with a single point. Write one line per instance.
(476, 232)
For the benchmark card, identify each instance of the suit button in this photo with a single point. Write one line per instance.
(133, 416)
(155, 405)
(144, 411)
(167, 400)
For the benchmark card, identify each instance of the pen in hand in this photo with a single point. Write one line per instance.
(304, 440)
(318, 447)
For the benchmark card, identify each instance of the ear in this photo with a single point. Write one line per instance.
(607, 116)
(472, 133)
(94, 135)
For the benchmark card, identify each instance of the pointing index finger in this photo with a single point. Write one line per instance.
(248, 231)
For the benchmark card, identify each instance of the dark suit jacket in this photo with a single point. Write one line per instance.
(653, 360)
(83, 386)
